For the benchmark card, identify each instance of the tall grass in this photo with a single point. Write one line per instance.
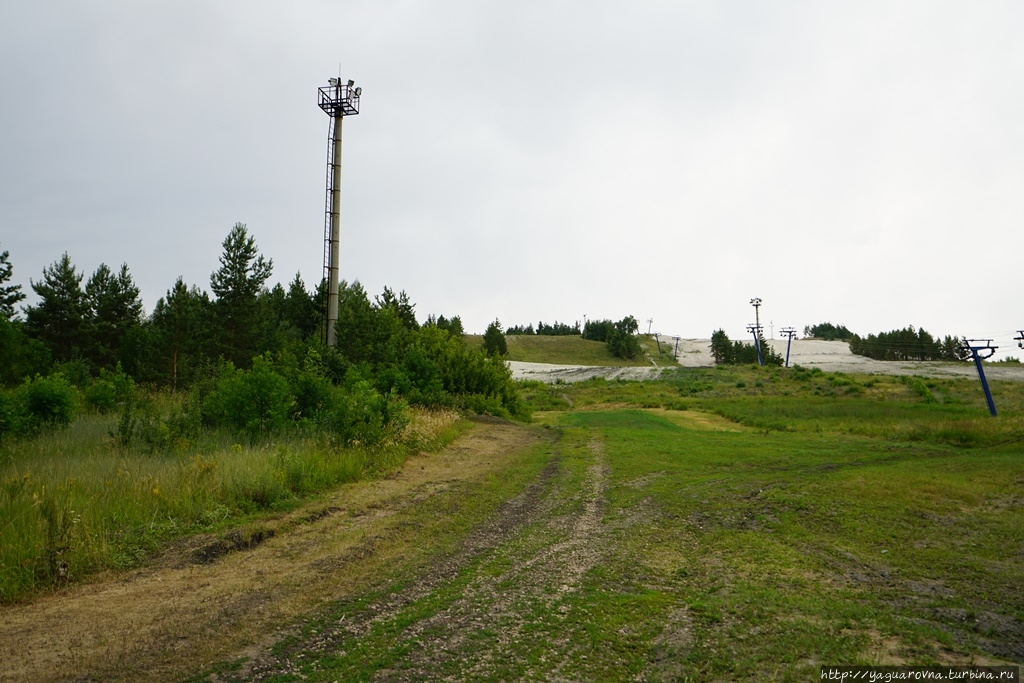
(74, 501)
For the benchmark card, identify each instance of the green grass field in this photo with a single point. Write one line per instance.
(738, 524)
(718, 524)
(566, 350)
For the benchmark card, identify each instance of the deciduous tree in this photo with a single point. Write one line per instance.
(622, 340)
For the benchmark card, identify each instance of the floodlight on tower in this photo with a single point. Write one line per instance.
(337, 101)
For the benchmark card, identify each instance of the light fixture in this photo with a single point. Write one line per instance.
(351, 83)
(359, 91)
(333, 81)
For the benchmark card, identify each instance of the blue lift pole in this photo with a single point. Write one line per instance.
(978, 353)
(756, 329)
(789, 332)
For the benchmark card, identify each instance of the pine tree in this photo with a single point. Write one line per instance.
(237, 285)
(179, 319)
(60, 318)
(114, 309)
(494, 340)
(401, 305)
(358, 325)
(300, 309)
(9, 294)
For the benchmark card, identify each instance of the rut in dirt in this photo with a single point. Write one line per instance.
(545, 540)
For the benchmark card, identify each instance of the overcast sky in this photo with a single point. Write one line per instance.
(858, 162)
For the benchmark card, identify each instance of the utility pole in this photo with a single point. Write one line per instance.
(790, 333)
(979, 349)
(756, 329)
(338, 100)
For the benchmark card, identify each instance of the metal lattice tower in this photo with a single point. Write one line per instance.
(338, 100)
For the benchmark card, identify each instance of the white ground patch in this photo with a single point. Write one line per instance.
(830, 356)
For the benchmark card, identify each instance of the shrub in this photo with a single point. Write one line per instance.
(101, 396)
(9, 413)
(49, 401)
(109, 391)
(359, 414)
(313, 395)
(255, 401)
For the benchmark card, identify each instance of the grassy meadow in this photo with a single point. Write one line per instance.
(723, 524)
(726, 523)
(74, 501)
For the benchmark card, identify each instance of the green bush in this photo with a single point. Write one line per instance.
(313, 395)
(101, 396)
(109, 391)
(359, 414)
(49, 401)
(9, 413)
(256, 401)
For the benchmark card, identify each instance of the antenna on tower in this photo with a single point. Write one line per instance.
(338, 100)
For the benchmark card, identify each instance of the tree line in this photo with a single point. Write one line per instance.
(827, 331)
(729, 352)
(86, 334)
(556, 329)
(907, 344)
(621, 337)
